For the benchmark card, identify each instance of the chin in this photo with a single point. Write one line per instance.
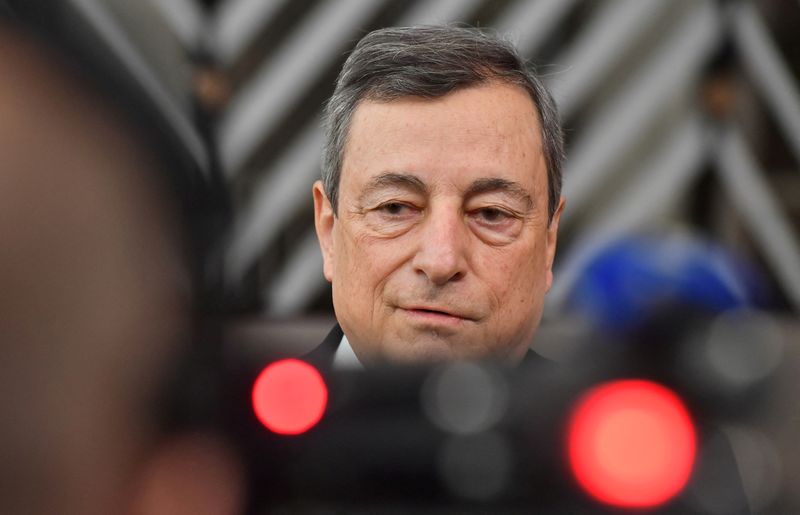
(437, 350)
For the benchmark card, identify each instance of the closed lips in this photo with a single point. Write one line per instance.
(438, 311)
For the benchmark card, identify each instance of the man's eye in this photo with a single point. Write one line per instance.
(492, 215)
(394, 208)
(392, 218)
(496, 225)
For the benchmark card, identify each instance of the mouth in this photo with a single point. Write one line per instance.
(435, 315)
(435, 312)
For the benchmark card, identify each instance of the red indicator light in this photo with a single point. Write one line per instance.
(289, 397)
(631, 443)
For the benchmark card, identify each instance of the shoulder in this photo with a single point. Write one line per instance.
(534, 359)
(322, 355)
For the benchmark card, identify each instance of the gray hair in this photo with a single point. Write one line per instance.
(430, 62)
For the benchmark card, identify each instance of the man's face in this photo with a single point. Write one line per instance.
(441, 247)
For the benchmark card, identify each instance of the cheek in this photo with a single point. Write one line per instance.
(364, 264)
(516, 278)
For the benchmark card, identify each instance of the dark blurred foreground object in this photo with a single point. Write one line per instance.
(101, 41)
(690, 413)
(107, 212)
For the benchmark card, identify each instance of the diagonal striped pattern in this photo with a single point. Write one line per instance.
(660, 99)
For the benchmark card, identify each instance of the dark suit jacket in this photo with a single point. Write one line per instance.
(322, 356)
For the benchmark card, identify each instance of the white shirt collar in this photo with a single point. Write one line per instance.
(345, 358)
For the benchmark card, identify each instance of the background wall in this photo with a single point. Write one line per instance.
(682, 116)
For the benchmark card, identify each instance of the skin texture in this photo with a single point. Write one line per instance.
(441, 247)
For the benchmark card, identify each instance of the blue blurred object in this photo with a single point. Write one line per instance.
(634, 278)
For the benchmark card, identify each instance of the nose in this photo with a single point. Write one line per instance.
(441, 251)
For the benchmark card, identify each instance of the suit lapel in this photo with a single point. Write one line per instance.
(323, 355)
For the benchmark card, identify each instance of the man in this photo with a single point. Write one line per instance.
(95, 305)
(438, 208)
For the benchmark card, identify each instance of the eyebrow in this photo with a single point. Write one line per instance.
(392, 179)
(496, 184)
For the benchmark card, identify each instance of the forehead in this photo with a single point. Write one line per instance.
(490, 130)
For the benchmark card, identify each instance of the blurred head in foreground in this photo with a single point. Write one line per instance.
(438, 208)
(95, 306)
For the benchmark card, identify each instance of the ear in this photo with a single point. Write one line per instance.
(191, 475)
(323, 221)
(552, 237)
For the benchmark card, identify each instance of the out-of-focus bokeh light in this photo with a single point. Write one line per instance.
(631, 443)
(289, 397)
(465, 398)
(743, 347)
